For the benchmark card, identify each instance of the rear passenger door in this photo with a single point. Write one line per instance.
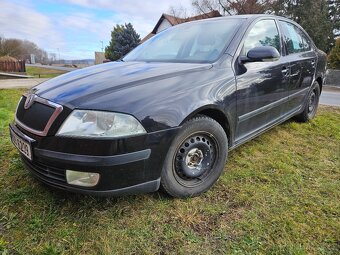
(302, 61)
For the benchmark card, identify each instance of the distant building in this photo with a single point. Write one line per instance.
(32, 57)
(166, 21)
(99, 57)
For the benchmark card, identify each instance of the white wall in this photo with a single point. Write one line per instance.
(164, 25)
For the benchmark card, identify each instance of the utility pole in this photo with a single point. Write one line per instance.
(102, 46)
(58, 54)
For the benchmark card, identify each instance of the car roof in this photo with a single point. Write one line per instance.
(245, 16)
(248, 17)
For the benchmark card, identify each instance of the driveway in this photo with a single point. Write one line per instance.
(21, 83)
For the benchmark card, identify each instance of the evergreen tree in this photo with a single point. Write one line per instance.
(334, 17)
(124, 38)
(110, 48)
(334, 56)
(312, 15)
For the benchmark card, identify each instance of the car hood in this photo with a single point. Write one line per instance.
(75, 88)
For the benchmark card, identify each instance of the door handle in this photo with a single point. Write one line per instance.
(285, 71)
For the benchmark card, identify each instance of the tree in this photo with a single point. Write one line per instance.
(252, 6)
(21, 49)
(318, 25)
(234, 7)
(320, 18)
(334, 17)
(11, 47)
(334, 56)
(124, 38)
(179, 13)
(110, 48)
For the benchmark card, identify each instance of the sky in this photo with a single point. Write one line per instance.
(75, 28)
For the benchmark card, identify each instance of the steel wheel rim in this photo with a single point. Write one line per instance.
(192, 170)
(312, 103)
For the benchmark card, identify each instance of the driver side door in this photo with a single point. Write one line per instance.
(262, 87)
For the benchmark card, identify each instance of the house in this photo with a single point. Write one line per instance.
(99, 57)
(166, 21)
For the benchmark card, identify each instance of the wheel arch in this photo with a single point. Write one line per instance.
(319, 81)
(216, 114)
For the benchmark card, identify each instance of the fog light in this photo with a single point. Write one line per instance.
(84, 179)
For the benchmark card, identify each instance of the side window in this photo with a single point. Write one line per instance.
(305, 42)
(263, 33)
(296, 41)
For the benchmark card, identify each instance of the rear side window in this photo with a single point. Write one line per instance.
(305, 41)
(296, 40)
(263, 33)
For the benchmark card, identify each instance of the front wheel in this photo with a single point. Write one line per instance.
(195, 159)
(310, 105)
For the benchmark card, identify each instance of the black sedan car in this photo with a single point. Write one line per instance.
(167, 113)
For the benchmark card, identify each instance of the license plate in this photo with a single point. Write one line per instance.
(23, 146)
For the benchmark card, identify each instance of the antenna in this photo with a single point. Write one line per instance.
(102, 45)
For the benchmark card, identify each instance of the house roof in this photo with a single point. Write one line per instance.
(149, 35)
(173, 20)
(8, 59)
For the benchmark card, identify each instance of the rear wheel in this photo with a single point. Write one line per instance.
(195, 159)
(310, 105)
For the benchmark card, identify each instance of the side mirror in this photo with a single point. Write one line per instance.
(260, 54)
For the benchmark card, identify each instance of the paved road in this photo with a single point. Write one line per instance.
(330, 97)
(13, 76)
(61, 68)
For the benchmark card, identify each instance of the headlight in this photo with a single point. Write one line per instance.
(100, 124)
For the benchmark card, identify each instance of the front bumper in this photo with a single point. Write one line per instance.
(126, 165)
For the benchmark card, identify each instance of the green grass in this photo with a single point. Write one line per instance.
(39, 72)
(279, 194)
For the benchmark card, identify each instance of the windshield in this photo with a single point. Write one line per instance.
(198, 42)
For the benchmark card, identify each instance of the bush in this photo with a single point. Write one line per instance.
(334, 56)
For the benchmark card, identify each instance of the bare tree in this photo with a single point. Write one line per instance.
(11, 47)
(179, 12)
(232, 7)
(21, 49)
(206, 6)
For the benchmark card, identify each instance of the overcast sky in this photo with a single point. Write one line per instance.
(76, 27)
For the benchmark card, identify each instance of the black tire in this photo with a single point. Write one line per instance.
(310, 105)
(196, 158)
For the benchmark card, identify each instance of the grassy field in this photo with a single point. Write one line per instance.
(279, 194)
(39, 72)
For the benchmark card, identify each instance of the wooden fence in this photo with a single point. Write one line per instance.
(13, 66)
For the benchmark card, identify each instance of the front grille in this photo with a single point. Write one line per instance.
(39, 116)
(46, 173)
(36, 116)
